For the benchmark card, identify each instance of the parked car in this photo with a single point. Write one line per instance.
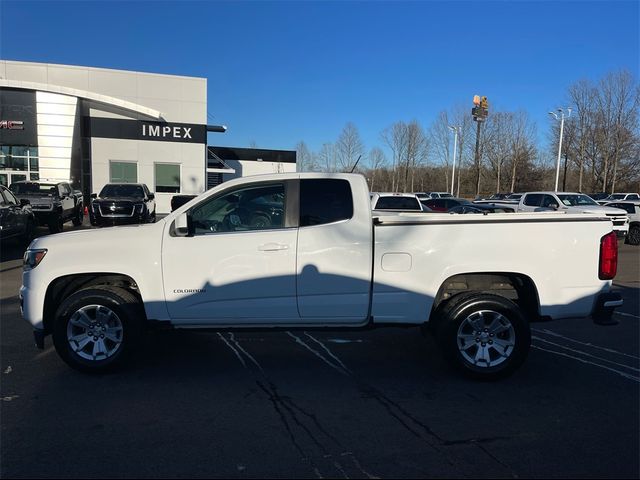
(399, 202)
(121, 204)
(633, 211)
(330, 263)
(572, 203)
(444, 204)
(16, 217)
(178, 200)
(439, 194)
(481, 208)
(620, 197)
(53, 203)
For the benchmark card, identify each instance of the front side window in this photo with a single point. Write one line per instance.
(123, 172)
(167, 178)
(548, 201)
(250, 208)
(11, 200)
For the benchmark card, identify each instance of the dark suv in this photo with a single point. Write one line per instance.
(16, 217)
(121, 204)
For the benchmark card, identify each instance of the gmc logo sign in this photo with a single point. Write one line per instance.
(165, 131)
(12, 124)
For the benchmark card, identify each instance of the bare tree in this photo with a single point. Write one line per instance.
(395, 138)
(440, 136)
(304, 158)
(349, 147)
(327, 158)
(377, 160)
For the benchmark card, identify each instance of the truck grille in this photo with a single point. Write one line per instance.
(115, 210)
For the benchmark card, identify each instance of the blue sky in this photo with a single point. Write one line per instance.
(281, 72)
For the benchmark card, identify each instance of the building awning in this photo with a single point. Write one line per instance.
(75, 92)
(216, 165)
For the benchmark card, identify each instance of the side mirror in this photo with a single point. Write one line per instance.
(181, 225)
(152, 196)
(553, 205)
(94, 195)
(24, 201)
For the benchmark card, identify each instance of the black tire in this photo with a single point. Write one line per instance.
(633, 237)
(128, 312)
(459, 339)
(56, 225)
(78, 218)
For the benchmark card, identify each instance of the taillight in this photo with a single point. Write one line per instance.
(608, 256)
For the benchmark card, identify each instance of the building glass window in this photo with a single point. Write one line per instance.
(167, 177)
(123, 172)
(34, 177)
(4, 179)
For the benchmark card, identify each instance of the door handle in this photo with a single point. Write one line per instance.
(272, 247)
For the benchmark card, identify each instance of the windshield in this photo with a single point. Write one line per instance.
(397, 203)
(122, 191)
(574, 200)
(31, 188)
(616, 196)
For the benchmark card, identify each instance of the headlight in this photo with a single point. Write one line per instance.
(32, 258)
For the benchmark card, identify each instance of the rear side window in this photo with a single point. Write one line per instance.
(397, 203)
(533, 200)
(324, 201)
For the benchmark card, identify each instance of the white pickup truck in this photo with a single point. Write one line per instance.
(570, 203)
(305, 251)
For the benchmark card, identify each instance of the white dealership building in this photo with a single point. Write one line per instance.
(92, 126)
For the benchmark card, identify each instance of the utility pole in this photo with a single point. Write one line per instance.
(480, 113)
(455, 148)
(561, 118)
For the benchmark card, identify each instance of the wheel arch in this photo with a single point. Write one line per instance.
(517, 287)
(62, 287)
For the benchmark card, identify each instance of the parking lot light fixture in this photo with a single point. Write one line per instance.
(561, 118)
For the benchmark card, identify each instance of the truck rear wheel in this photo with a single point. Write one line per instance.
(96, 329)
(484, 336)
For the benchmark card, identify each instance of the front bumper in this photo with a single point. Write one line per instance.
(605, 304)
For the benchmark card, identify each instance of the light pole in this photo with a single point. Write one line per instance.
(455, 147)
(561, 118)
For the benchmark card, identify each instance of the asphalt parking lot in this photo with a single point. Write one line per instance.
(370, 404)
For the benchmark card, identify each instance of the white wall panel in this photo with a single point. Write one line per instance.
(46, 141)
(63, 120)
(54, 152)
(54, 130)
(57, 108)
(72, 77)
(47, 97)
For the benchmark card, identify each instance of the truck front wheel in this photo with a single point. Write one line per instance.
(484, 336)
(96, 329)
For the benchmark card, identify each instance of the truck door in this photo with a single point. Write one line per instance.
(531, 202)
(239, 266)
(334, 254)
(64, 191)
